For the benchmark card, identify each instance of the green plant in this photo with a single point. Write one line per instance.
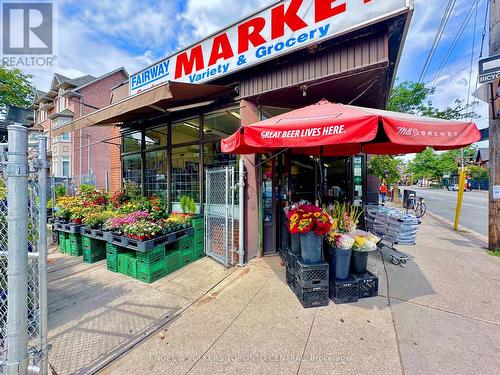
(142, 230)
(60, 190)
(87, 189)
(494, 253)
(97, 219)
(188, 205)
(131, 190)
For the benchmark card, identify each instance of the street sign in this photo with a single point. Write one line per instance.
(489, 69)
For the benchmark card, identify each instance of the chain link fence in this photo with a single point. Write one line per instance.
(222, 216)
(23, 315)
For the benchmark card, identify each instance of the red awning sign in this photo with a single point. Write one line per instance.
(337, 129)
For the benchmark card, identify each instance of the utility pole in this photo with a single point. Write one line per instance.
(494, 204)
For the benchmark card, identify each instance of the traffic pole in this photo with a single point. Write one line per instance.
(494, 162)
(460, 198)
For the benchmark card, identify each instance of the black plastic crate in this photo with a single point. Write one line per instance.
(367, 284)
(312, 297)
(311, 275)
(344, 291)
(290, 278)
(290, 260)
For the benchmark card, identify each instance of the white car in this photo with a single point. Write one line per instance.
(455, 187)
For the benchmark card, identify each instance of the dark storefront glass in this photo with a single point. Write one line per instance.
(132, 168)
(156, 172)
(220, 124)
(156, 137)
(215, 158)
(132, 142)
(186, 131)
(186, 172)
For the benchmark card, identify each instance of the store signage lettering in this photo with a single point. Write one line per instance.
(414, 132)
(304, 133)
(276, 30)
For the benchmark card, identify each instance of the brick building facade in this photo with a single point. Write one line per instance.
(81, 155)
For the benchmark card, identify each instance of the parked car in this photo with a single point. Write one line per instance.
(455, 187)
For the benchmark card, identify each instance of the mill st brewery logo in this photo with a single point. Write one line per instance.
(28, 34)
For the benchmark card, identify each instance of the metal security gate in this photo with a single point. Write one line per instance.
(222, 216)
(23, 254)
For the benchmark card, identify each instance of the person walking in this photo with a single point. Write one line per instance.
(383, 191)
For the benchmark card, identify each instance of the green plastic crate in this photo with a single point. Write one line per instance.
(186, 257)
(198, 222)
(150, 274)
(132, 267)
(173, 261)
(198, 253)
(67, 246)
(152, 256)
(92, 256)
(75, 238)
(112, 262)
(183, 244)
(198, 242)
(62, 241)
(113, 249)
(93, 244)
(87, 242)
(123, 261)
(75, 250)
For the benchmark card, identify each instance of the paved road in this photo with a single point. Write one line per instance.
(474, 210)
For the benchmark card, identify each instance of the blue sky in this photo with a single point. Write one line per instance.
(97, 36)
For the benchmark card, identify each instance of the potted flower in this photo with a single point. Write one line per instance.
(96, 220)
(340, 250)
(364, 243)
(294, 215)
(117, 223)
(78, 214)
(142, 230)
(312, 223)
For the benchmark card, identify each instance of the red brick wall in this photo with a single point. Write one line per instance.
(96, 95)
(115, 162)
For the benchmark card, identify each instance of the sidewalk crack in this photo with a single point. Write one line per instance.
(228, 326)
(392, 316)
(307, 340)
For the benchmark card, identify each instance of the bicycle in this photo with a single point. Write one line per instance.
(418, 208)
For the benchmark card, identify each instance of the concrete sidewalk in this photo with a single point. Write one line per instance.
(439, 315)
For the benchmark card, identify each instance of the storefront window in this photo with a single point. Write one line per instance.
(132, 168)
(132, 142)
(156, 137)
(186, 172)
(221, 124)
(156, 172)
(186, 131)
(215, 158)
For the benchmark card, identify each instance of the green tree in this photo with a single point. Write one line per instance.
(15, 88)
(386, 168)
(478, 173)
(413, 98)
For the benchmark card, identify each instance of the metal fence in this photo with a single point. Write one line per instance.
(222, 216)
(23, 254)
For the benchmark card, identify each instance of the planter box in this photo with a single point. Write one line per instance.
(144, 246)
(96, 234)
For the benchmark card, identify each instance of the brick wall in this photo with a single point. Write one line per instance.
(95, 154)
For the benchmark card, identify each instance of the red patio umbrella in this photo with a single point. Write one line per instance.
(342, 130)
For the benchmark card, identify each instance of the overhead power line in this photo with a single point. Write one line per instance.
(437, 39)
(454, 43)
(472, 57)
(485, 27)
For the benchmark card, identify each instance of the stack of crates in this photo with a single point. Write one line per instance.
(74, 245)
(185, 248)
(93, 250)
(172, 260)
(62, 241)
(127, 263)
(112, 252)
(199, 238)
(152, 265)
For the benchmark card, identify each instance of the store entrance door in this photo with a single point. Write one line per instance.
(289, 178)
